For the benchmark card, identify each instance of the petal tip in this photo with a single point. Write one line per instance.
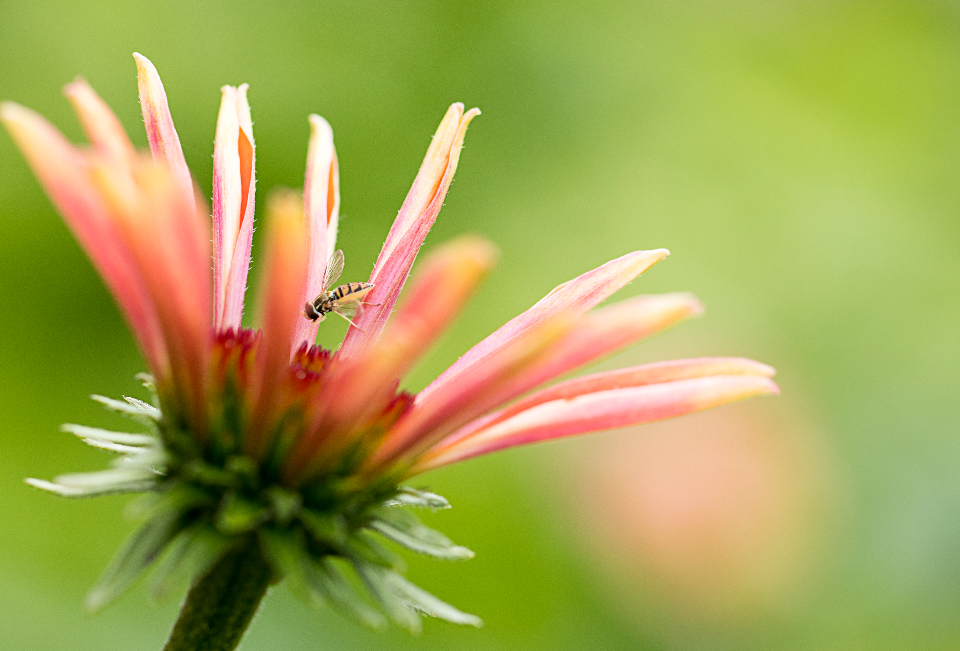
(319, 123)
(768, 387)
(144, 65)
(11, 111)
(76, 86)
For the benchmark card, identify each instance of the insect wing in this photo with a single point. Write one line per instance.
(348, 310)
(334, 269)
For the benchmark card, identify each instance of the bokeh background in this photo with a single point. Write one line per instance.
(801, 158)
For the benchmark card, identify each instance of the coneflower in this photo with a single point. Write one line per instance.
(265, 457)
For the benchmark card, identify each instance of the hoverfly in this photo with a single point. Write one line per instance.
(343, 301)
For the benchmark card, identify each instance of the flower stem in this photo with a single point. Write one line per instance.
(219, 607)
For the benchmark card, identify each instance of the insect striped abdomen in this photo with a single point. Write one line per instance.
(353, 291)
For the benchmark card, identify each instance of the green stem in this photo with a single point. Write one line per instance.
(219, 606)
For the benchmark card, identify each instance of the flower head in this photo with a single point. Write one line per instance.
(259, 439)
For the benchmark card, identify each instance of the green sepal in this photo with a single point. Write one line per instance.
(120, 438)
(149, 383)
(139, 413)
(116, 448)
(408, 496)
(405, 529)
(329, 529)
(361, 547)
(283, 549)
(153, 412)
(116, 488)
(427, 603)
(174, 496)
(239, 515)
(314, 581)
(136, 554)
(202, 472)
(192, 554)
(285, 504)
(328, 585)
(398, 610)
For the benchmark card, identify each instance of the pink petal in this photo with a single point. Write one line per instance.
(162, 135)
(574, 297)
(655, 373)
(429, 421)
(233, 205)
(104, 130)
(602, 410)
(279, 296)
(169, 238)
(321, 207)
(443, 284)
(444, 405)
(65, 175)
(599, 334)
(416, 217)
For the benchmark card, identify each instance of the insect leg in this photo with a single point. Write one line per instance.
(344, 316)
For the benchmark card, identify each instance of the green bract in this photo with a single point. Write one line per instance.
(323, 538)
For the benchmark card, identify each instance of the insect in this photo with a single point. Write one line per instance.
(343, 301)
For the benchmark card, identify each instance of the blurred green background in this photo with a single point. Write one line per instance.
(801, 159)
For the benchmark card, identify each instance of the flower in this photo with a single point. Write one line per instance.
(263, 450)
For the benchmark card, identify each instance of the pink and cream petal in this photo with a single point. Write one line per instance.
(645, 374)
(233, 205)
(64, 173)
(457, 403)
(599, 411)
(601, 333)
(279, 298)
(416, 217)
(321, 208)
(161, 134)
(101, 125)
(574, 298)
(448, 277)
(443, 406)
(166, 234)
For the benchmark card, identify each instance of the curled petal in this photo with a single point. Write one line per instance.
(104, 130)
(65, 175)
(416, 217)
(279, 296)
(162, 135)
(636, 376)
(321, 209)
(601, 410)
(233, 205)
